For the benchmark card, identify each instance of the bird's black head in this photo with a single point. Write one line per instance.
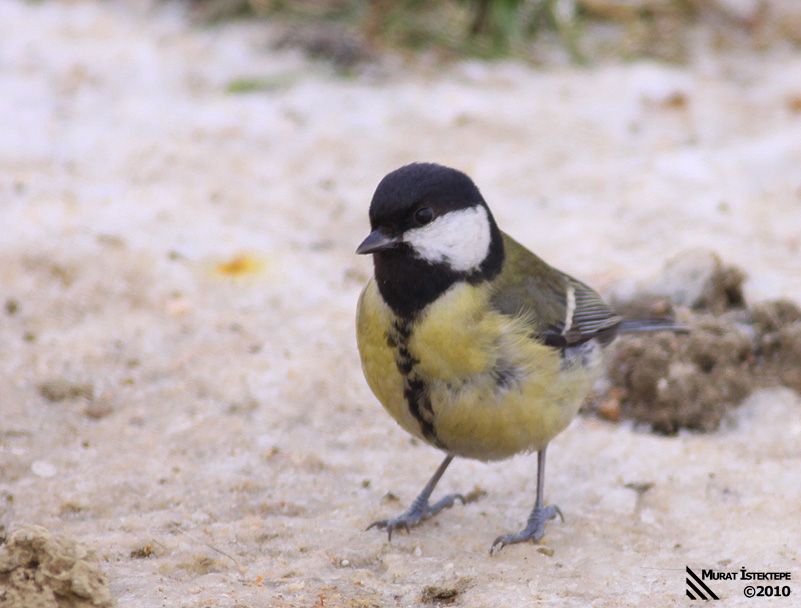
(430, 228)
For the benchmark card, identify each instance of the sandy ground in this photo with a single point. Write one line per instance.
(232, 454)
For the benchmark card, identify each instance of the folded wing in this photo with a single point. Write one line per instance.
(562, 311)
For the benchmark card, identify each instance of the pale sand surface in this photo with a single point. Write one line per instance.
(240, 441)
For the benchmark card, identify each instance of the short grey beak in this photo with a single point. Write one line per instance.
(377, 241)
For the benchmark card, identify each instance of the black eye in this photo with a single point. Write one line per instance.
(424, 215)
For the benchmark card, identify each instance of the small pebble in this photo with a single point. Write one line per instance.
(42, 468)
(59, 389)
(98, 409)
(12, 306)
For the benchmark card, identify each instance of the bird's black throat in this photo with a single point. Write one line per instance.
(408, 283)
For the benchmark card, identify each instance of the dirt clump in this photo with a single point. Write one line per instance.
(696, 279)
(43, 570)
(689, 381)
(674, 381)
(778, 329)
(60, 389)
(444, 593)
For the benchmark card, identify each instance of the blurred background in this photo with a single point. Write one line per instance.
(530, 30)
(183, 418)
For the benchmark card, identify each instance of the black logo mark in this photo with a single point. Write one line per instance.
(698, 589)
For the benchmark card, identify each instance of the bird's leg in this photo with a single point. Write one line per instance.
(535, 527)
(420, 509)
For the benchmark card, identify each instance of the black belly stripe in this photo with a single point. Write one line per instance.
(420, 407)
(414, 387)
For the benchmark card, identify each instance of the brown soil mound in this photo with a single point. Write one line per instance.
(671, 381)
(778, 326)
(40, 570)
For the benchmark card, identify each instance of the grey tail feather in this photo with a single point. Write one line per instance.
(633, 326)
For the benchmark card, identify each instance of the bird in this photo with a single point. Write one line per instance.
(470, 341)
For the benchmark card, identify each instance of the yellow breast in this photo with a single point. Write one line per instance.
(493, 391)
(374, 321)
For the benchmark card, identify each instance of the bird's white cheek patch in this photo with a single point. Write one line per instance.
(460, 239)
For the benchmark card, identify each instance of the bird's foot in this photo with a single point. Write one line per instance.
(418, 512)
(534, 530)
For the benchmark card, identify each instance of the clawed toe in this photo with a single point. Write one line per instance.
(444, 503)
(534, 530)
(402, 522)
(380, 524)
(416, 514)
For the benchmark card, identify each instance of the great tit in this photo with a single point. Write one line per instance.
(472, 343)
